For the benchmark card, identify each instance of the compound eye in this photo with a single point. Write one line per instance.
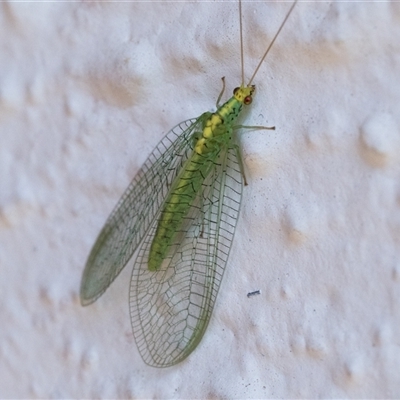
(235, 90)
(247, 100)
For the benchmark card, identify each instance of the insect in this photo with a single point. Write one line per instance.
(251, 294)
(180, 210)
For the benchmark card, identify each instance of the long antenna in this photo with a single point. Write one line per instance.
(241, 40)
(271, 44)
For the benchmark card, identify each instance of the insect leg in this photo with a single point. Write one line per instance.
(241, 165)
(236, 147)
(222, 91)
(272, 128)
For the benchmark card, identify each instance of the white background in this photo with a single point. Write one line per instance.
(87, 90)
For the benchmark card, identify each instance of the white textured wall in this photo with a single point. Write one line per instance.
(88, 89)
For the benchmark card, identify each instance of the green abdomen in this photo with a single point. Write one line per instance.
(177, 206)
(216, 134)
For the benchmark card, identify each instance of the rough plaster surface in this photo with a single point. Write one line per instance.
(88, 89)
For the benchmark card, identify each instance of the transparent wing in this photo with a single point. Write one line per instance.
(136, 210)
(170, 308)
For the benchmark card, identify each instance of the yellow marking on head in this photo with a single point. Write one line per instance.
(241, 93)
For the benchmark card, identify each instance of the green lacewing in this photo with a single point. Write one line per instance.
(180, 211)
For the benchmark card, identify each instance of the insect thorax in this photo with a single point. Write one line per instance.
(218, 126)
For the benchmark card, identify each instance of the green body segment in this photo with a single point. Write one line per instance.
(216, 135)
